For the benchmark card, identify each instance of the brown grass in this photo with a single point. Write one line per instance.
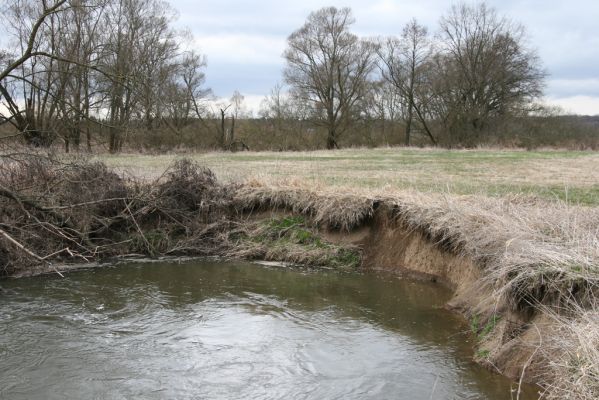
(563, 175)
(535, 254)
(574, 357)
(522, 243)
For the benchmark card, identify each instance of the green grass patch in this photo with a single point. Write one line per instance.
(287, 222)
(292, 235)
(482, 354)
(481, 332)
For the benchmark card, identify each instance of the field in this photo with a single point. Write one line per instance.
(572, 177)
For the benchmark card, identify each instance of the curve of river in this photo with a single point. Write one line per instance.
(213, 330)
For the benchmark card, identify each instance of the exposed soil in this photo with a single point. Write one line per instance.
(508, 346)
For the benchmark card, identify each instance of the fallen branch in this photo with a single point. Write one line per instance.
(148, 246)
(26, 202)
(29, 252)
(88, 203)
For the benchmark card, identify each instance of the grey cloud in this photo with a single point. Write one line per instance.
(566, 35)
(573, 87)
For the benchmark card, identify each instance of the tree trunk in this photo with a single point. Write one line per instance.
(409, 122)
(114, 131)
(332, 140)
(232, 133)
(86, 107)
(222, 130)
(88, 137)
(113, 140)
(422, 120)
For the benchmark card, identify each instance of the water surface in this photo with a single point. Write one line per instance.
(207, 330)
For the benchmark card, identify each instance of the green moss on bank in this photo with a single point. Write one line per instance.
(291, 239)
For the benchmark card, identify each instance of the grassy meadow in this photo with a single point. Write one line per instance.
(554, 175)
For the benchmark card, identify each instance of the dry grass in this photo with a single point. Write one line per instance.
(341, 211)
(575, 351)
(535, 254)
(531, 249)
(561, 175)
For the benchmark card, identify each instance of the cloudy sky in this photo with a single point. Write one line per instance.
(244, 40)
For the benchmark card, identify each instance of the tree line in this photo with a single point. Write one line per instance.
(114, 73)
(82, 66)
(450, 88)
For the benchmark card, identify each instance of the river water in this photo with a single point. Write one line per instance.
(208, 330)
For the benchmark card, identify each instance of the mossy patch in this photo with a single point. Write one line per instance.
(292, 239)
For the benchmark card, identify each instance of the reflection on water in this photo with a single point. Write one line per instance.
(234, 331)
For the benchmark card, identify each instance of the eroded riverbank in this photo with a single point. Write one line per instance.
(523, 272)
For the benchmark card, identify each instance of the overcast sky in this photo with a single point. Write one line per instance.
(244, 40)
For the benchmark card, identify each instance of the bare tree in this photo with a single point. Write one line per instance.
(153, 82)
(237, 104)
(29, 47)
(223, 125)
(50, 88)
(19, 79)
(81, 63)
(274, 106)
(405, 62)
(194, 78)
(181, 96)
(276, 109)
(383, 112)
(484, 71)
(328, 67)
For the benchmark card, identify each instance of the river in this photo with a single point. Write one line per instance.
(214, 330)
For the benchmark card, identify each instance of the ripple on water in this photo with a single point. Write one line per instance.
(234, 331)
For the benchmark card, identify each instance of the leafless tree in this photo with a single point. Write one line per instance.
(23, 93)
(114, 63)
(236, 112)
(181, 96)
(328, 67)
(223, 125)
(405, 65)
(383, 112)
(287, 119)
(194, 79)
(484, 71)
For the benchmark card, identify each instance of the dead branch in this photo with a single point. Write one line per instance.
(20, 246)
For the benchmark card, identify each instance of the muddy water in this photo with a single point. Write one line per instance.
(207, 330)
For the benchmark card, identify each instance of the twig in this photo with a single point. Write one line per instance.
(29, 252)
(20, 246)
(150, 249)
(55, 270)
(88, 203)
(528, 362)
(22, 201)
